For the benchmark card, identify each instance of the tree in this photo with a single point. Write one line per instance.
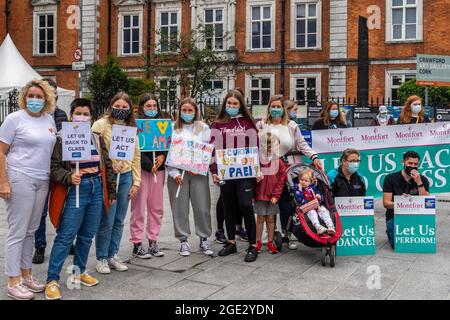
(104, 82)
(139, 86)
(438, 96)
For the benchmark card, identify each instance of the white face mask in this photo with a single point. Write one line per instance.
(416, 108)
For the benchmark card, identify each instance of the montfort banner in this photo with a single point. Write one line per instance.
(382, 149)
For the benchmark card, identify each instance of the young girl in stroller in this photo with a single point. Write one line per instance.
(308, 195)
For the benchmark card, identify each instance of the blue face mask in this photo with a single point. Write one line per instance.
(334, 114)
(353, 167)
(151, 113)
(292, 115)
(232, 112)
(187, 117)
(276, 112)
(35, 105)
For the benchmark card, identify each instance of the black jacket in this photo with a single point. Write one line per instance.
(320, 125)
(59, 116)
(147, 160)
(344, 188)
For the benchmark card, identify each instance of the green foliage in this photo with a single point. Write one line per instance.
(139, 86)
(438, 96)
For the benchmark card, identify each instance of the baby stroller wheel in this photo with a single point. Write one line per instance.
(333, 256)
(278, 239)
(323, 257)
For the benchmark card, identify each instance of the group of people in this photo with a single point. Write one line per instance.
(34, 179)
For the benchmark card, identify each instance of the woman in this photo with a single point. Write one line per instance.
(194, 188)
(383, 118)
(235, 128)
(27, 138)
(291, 140)
(413, 112)
(330, 118)
(109, 235)
(291, 109)
(346, 181)
(150, 193)
(81, 223)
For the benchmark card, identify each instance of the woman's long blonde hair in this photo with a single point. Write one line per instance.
(49, 95)
(284, 117)
(406, 114)
(197, 119)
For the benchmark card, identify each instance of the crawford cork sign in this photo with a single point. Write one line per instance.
(432, 70)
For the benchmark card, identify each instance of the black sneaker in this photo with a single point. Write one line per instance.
(241, 234)
(38, 257)
(72, 250)
(251, 255)
(220, 237)
(227, 249)
(139, 252)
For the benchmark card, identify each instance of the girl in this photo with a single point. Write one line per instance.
(413, 112)
(306, 191)
(109, 235)
(291, 109)
(150, 193)
(330, 118)
(81, 223)
(27, 138)
(194, 187)
(268, 191)
(235, 128)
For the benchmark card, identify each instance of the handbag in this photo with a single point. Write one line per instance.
(311, 205)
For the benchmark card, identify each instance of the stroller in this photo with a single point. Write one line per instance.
(300, 225)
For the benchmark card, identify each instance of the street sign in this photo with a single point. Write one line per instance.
(78, 66)
(432, 70)
(78, 54)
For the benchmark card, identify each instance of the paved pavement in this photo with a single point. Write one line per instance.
(289, 275)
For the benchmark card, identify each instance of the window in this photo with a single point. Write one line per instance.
(168, 91)
(45, 34)
(260, 91)
(214, 89)
(405, 20)
(261, 27)
(131, 34)
(305, 87)
(169, 23)
(394, 81)
(214, 29)
(307, 28)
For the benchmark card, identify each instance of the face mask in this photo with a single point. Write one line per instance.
(353, 167)
(408, 170)
(187, 117)
(416, 108)
(120, 114)
(35, 105)
(79, 118)
(276, 112)
(292, 115)
(151, 113)
(334, 114)
(232, 112)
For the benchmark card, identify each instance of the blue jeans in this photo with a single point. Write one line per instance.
(40, 241)
(390, 232)
(109, 235)
(81, 223)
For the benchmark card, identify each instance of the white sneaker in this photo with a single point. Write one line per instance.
(117, 264)
(205, 247)
(291, 245)
(102, 267)
(185, 249)
(321, 230)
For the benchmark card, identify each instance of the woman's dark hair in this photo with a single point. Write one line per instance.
(80, 102)
(143, 100)
(223, 117)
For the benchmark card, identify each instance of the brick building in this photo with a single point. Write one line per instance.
(305, 49)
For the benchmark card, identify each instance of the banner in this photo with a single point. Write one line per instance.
(358, 227)
(382, 151)
(123, 140)
(154, 134)
(415, 224)
(76, 141)
(237, 163)
(190, 156)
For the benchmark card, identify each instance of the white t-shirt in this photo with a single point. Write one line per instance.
(31, 142)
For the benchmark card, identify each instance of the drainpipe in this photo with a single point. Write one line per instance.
(7, 12)
(109, 27)
(149, 37)
(283, 46)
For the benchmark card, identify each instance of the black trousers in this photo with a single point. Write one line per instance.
(237, 196)
(220, 214)
(286, 209)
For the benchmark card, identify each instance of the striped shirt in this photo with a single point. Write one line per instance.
(89, 168)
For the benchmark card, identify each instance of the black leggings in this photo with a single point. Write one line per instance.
(286, 209)
(237, 196)
(220, 214)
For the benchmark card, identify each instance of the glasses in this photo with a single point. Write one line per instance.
(353, 161)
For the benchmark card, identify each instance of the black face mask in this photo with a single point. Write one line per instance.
(408, 169)
(120, 114)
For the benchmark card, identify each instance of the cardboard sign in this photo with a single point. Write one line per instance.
(154, 134)
(238, 163)
(415, 224)
(190, 155)
(123, 141)
(358, 227)
(76, 141)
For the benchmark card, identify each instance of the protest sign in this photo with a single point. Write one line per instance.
(76, 141)
(154, 134)
(190, 156)
(237, 163)
(123, 140)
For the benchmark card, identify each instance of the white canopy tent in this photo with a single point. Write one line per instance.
(15, 72)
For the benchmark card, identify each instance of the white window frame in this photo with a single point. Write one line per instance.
(294, 5)
(120, 46)
(388, 80)
(419, 23)
(254, 76)
(295, 76)
(224, 24)
(259, 3)
(169, 10)
(218, 93)
(178, 89)
(44, 10)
